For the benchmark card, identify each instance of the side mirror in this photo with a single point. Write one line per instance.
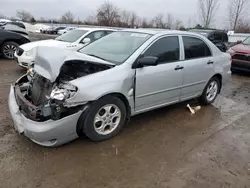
(145, 62)
(86, 41)
(239, 41)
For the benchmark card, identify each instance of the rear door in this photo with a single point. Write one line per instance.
(159, 85)
(198, 66)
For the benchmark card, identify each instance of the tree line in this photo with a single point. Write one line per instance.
(108, 14)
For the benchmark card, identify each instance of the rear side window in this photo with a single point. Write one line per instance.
(167, 49)
(218, 37)
(225, 37)
(195, 48)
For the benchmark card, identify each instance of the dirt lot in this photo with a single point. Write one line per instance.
(166, 148)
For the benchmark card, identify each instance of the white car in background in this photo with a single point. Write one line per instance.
(72, 40)
(63, 31)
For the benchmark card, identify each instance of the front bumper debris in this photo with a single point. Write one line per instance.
(48, 133)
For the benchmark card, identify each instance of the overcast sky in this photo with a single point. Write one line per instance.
(181, 9)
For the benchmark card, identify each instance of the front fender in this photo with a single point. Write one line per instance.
(93, 87)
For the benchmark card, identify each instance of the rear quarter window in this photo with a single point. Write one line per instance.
(195, 48)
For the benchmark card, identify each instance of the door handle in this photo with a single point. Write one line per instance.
(179, 67)
(210, 62)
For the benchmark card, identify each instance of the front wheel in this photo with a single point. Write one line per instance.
(104, 119)
(8, 50)
(211, 91)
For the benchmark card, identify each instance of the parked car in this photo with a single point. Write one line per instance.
(63, 31)
(10, 40)
(19, 24)
(241, 56)
(47, 30)
(72, 40)
(96, 90)
(218, 37)
(44, 28)
(54, 30)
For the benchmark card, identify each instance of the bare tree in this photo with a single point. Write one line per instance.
(169, 22)
(125, 18)
(67, 17)
(107, 14)
(207, 9)
(236, 10)
(243, 27)
(178, 24)
(23, 15)
(134, 20)
(158, 21)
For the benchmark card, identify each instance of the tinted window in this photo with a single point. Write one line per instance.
(166, 49)
(218, 36)
(225, 37)
(195, 48)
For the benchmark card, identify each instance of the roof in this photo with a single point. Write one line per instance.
(154, 31)
(95, 28)
(206, 30)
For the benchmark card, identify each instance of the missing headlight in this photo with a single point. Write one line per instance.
(63, 91)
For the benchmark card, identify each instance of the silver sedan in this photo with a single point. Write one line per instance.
(96, 90)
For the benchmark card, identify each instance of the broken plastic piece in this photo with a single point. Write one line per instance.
(194, 109)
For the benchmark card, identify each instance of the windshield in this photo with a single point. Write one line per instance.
(72, 36)
(247, 41)
(116, 47)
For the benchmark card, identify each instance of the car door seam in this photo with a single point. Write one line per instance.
(158, 92)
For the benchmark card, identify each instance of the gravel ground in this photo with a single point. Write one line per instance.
(166, 148)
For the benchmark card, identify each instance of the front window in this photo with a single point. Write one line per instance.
(166, 49)
(71, 36)
(116, 47)
(247, 41)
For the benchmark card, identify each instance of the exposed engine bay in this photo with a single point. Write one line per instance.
(41, 100)
(76, 69)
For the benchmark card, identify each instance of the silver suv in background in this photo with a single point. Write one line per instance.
(96, 90)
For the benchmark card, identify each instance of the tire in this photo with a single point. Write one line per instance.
(8, 50)
(93, 125)
(214, 85)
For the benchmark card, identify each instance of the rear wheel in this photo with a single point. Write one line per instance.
(211, 91)
(8, 49)
(104, 119)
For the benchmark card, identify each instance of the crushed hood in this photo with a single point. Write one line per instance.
(49, 60)
(49, 43)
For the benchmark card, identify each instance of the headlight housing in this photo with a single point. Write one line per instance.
(30, 52)
(63, 91)
(231, 51)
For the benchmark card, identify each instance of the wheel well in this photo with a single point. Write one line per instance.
(10, 40)
(124, 100)
(219, 76)
(118, 95)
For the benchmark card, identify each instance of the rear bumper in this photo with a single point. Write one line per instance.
(226, 77)
(50, 133)
(240, 65)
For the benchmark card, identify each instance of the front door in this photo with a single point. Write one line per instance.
(198, 66)
(159, 85)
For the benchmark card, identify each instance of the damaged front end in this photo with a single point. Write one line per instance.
(39, 99)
